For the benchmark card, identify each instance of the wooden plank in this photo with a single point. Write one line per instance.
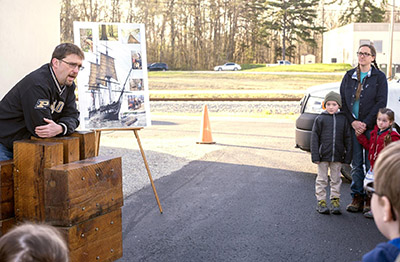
(70, 146)
(30, 159)
(6, 225)
(87, 143)
(98, 239)
(7, 189)
(79, 191)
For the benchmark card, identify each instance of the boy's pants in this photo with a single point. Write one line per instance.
(322, 180)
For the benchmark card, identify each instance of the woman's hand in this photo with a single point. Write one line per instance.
(359, 127)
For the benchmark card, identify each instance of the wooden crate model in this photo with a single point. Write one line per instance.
(82, 198)
(7, 215)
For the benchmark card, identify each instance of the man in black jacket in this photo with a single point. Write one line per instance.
(330, 147)
(43, 103)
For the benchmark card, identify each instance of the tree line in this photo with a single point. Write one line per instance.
(199, 34)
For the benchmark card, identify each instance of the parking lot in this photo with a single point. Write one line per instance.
(249, 197)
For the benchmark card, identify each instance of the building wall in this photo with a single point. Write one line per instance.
(343, 42)
(338, 44)
(29, 32)
(307, 59)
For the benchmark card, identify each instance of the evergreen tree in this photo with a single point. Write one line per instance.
(293, 21)
(362, 11)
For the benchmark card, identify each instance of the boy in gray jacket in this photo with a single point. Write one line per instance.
(330, 147)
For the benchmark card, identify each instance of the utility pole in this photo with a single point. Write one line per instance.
(391, 42)
(322, 34)
(284, 32)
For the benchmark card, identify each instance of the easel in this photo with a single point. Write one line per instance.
(135, 130)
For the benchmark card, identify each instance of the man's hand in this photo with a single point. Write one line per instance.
(50, 130)
(359, 127)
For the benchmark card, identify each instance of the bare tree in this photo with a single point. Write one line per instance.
(195, 34)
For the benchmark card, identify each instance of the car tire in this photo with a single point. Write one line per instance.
(346, 171)
(235, 69)
(220, 69)
(164, 69)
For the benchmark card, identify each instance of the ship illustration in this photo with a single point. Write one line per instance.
(105, 89)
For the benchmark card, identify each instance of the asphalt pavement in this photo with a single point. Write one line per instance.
(249, 197)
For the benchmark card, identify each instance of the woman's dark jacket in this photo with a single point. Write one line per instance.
(373, 95)
(331, 138)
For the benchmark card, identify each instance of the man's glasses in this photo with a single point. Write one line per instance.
(369, 190)
(363, 54)
(73, 65)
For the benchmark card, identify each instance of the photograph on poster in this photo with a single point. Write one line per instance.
(136, 84)
(108, 32)
(135, 102)
(86, 39)
(130, 36)
(112, 92)
(136, 112)
(136, 60)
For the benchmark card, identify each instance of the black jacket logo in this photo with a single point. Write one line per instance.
(57, 106)
(42, 103)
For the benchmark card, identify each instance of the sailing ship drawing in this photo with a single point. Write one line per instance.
(113, 91)
(104, 86)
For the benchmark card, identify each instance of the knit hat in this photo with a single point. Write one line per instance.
(333, 96)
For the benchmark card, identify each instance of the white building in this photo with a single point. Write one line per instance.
(341, 44)
(307, 59)
(30, 30)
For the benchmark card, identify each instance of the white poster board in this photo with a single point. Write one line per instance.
(113, 86)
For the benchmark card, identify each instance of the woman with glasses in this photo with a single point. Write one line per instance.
(364, 91)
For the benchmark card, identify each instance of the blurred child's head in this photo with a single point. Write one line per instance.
(385, 202)
(33, 242)
(332, 102)
(384, 120)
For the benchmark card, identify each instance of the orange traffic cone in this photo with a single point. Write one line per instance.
(205, 132)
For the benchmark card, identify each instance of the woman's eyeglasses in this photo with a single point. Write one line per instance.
(369, 190)
(363, 54)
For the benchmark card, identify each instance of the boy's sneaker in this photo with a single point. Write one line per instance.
(335, 206)
(368, 214)
(322, 208)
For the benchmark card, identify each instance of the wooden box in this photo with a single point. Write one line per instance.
(98, 239)
(30, 159)
(87, 143)
(70, 146)
(82, 190)
(7, 190)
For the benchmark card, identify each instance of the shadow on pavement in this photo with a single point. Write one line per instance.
(295, 151)
(216, 211)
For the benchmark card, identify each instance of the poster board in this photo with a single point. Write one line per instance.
(113, 85)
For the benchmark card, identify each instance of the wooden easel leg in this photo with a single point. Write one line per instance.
(97, 137)
(148, 170)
